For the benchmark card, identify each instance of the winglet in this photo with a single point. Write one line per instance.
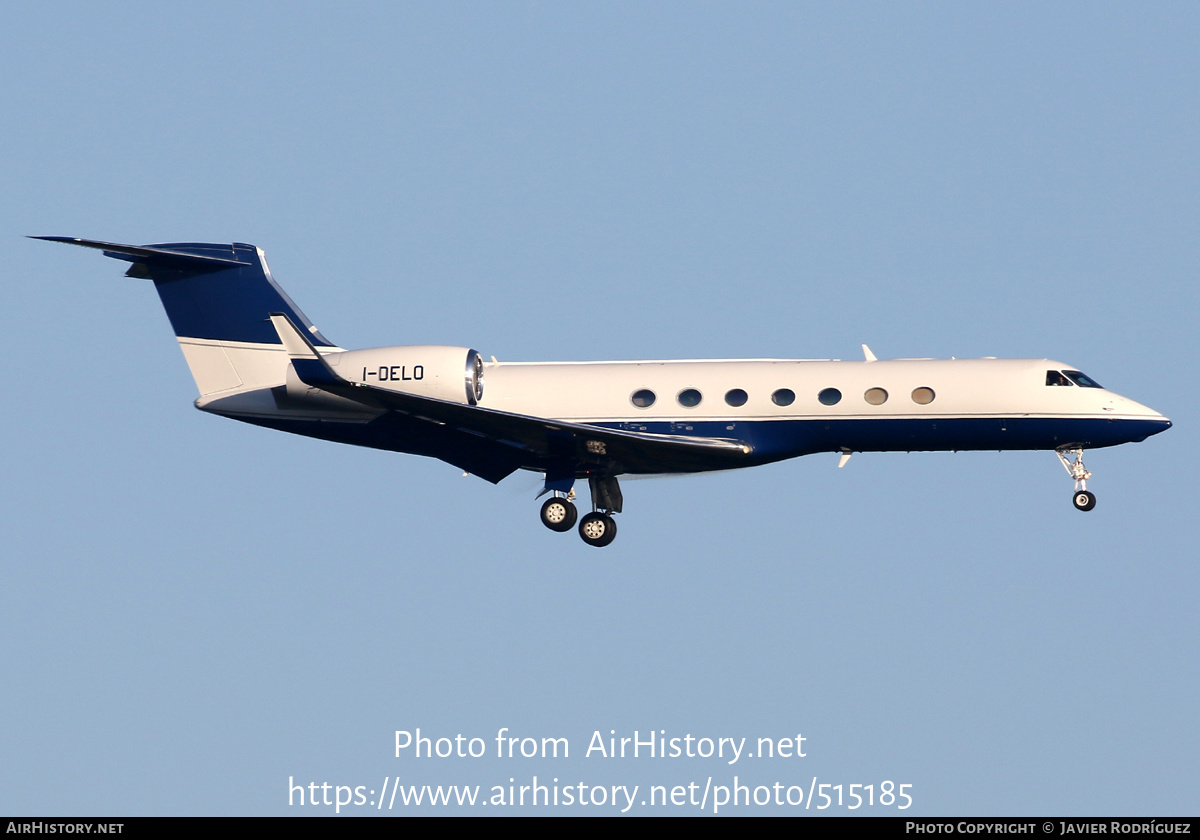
(294, 341)
(870, 357)
(310, 367)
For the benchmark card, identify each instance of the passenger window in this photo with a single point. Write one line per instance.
(689, 398)
(875, 396)
(736, 397)
(922, 396)
(1081, 380)
(643, 398)
(784, 396)
(830, 396)
(1054, 377)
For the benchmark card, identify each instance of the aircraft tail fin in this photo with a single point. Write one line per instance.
(219, 299)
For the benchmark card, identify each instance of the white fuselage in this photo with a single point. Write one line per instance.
(600, 392)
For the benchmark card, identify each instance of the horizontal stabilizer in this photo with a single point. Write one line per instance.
(180, 260)
(211, 291)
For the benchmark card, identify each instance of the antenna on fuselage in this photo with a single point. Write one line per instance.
(870, 357)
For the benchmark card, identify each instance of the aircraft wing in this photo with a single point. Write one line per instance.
(546, 443)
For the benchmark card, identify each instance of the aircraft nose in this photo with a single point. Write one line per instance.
(1144, 420)
(1124, 405)
(1152, 422)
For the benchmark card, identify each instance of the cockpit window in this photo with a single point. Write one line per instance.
(1082, 380)
(1055, 377)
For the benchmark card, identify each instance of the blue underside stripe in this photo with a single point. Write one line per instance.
(775, 440)
(772, 440)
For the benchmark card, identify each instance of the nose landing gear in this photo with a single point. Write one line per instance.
(1084, 499)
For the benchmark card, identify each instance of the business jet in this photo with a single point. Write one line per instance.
(257, 358)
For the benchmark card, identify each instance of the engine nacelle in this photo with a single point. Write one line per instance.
(454, 374)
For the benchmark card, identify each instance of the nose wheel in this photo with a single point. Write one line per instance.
(1084, 499)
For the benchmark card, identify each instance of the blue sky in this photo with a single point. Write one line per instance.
(196, 610)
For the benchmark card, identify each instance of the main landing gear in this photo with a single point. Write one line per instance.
(558, 514)
(597, 528)
(1084, 499)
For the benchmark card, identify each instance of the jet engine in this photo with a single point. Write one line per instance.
(454, 374)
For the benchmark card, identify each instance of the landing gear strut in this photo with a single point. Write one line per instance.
(1084, 499)
(598, 528)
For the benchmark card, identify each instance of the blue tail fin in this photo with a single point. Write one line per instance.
(219, 299)
(216, 292)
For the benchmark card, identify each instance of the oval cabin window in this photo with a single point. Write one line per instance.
(922, 396)
(643, 398)
(875, 396)
(830, 396)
